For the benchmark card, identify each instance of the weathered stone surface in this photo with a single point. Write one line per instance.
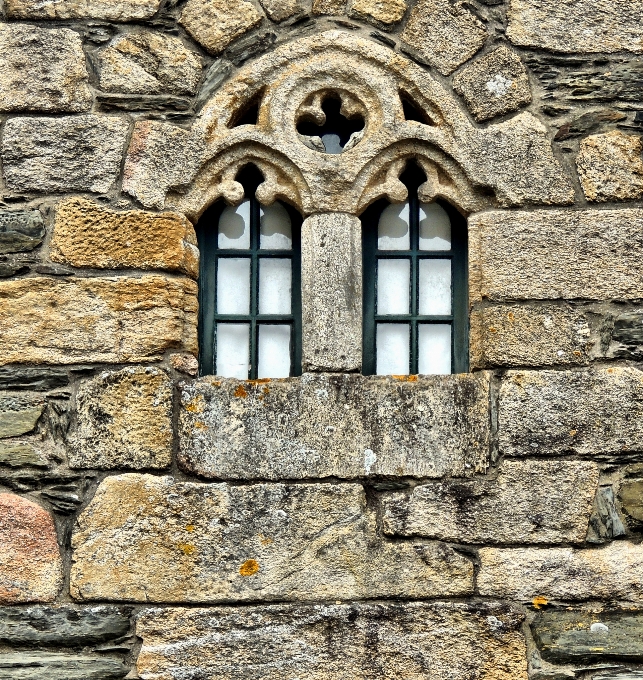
(580, 636)
(30, 563)
(124, 421)
(494, 84)
(42, 69)
(18, 415)
(153, 539)
(147, 62)
(20, 455)
(344, 426)
(550, 503)
(589, 412)
(329, 6)
(577, 25)
(110, 10)
(593, 121)
(605, 523)
(614, 572)
(331, 291)
(631, 497)
(549, 254)
(111, 320)
(40, 626)
(28, 378)
(444, 34)
(610, 167)
(72, 153)
(405, 640)
(88, 235)
(626, 338)
(37, 665)
(214, 24)
(278, 10)
(528, 335)
(384, 11)
(20, 230)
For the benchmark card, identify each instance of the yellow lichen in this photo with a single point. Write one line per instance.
(405, 378)
(249, 568)
(187, 548)
(539, 601)
(240, 392)
(190, 528)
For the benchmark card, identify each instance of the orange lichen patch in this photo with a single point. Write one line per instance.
(492, 329)
(249, 568)
(190, 528)
(511, 316)
(577, 353)
(539, 601)
(573, 433)
(196, 405)
(258, 381)
(200, 425)
(405, 378)
(187, 548)
(240, 392)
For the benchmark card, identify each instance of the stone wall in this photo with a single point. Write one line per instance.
(161, 526)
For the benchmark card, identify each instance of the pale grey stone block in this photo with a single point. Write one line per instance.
(72, 153)
(528, 502)
(331, 285)
(34, 665)
(335, 426)
(392, 640)
(154, 539)
(550, 254)
(110, 10)
(592, 412)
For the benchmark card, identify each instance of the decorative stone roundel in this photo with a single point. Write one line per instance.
(406, 114)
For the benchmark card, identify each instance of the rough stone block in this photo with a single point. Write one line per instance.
(614, 572)
(31, 568)
(549, 254)
(278, 10)
(444, 34)
(214, 24)
(88, 235)
(110, 10)
(21, 455)
(331, 288)
(41, 626)
(124, 421)
(72, 153)
(393, 640)
(146, 62)
(31, 378)
(329, 6)
(610, 167)
(335, 426)
(52, 666)
(527, 335)
(384, 11)
(588, 637)
(605, 523)
(20, 230)
(626, 339)
(494, 84)
(112, 320)
(153, 539)
(595, 412)
(42, 69)
(631, 497)
(18, 415)
(528, 502)
(578, 26)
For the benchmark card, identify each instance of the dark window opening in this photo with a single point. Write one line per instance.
(336, 131)
(248, 114)
(250, 287)
(412, 111)
(415, 285)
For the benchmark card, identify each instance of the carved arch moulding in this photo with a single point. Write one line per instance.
(505, 164)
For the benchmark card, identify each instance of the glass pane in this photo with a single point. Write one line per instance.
(234, 226)
(233, 285)
(233, 350)
(274, 351)
(435, 287)
(435, 227)
(275, 228)
(332, 143)
(434, 348)
(393, 228)
(393, 342)
(393, 278)
(275, 286)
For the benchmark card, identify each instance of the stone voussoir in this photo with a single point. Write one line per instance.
(109, 10)
(393, 640)
(89, 235)
(335, 425)
(154, 539)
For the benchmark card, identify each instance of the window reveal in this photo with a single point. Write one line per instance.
(249, 288)
(415, 286)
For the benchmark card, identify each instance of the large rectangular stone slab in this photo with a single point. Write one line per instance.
(112, 320)
(111, 10)
(597, 412)
(588, 637)
(528, 502)
(614, 572)
(359, 641)
(71, 153)
(37, 665)
(42, 69)
(153, 539)
(556, 254)
(335, 426)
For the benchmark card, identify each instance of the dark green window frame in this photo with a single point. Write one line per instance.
(413, 177)
(210, 254)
